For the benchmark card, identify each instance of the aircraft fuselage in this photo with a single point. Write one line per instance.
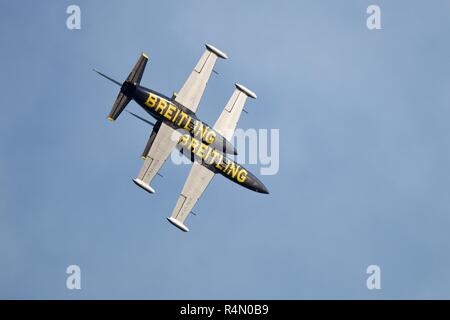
(201, 143)
(178, 116)
(219, 163)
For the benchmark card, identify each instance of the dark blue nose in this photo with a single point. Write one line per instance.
(254, 184)
(262, 189)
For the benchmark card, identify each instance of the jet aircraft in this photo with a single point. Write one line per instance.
(177, 126)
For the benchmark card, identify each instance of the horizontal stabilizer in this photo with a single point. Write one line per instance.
(121, 102)
(136, 73)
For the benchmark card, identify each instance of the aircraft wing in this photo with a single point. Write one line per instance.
(195, 185)
(192, 90)
(159, 147)
(226, 124)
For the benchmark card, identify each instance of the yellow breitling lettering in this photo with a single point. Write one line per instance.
(210, 137)
(194, 144)
(242, 176)
(176, 115)
(218, 164)
(219, 161)
(169, 112)
(183, 140)
(214, 154)
(161, 106)
(228, 164)
(151, 100)
(201, 150)
(233, 170)
(200, 130)
(205, 133)
(183, 117)
(207, 154)
(186, 125)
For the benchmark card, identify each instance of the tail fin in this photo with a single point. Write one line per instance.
(127, 88)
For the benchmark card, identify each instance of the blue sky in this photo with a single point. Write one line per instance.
(364, 153)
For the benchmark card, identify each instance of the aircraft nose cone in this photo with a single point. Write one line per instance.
(253, 183)
(258, 186)
(262, 189)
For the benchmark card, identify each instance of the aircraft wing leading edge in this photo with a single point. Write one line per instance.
(226, 123)
(192, 90)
